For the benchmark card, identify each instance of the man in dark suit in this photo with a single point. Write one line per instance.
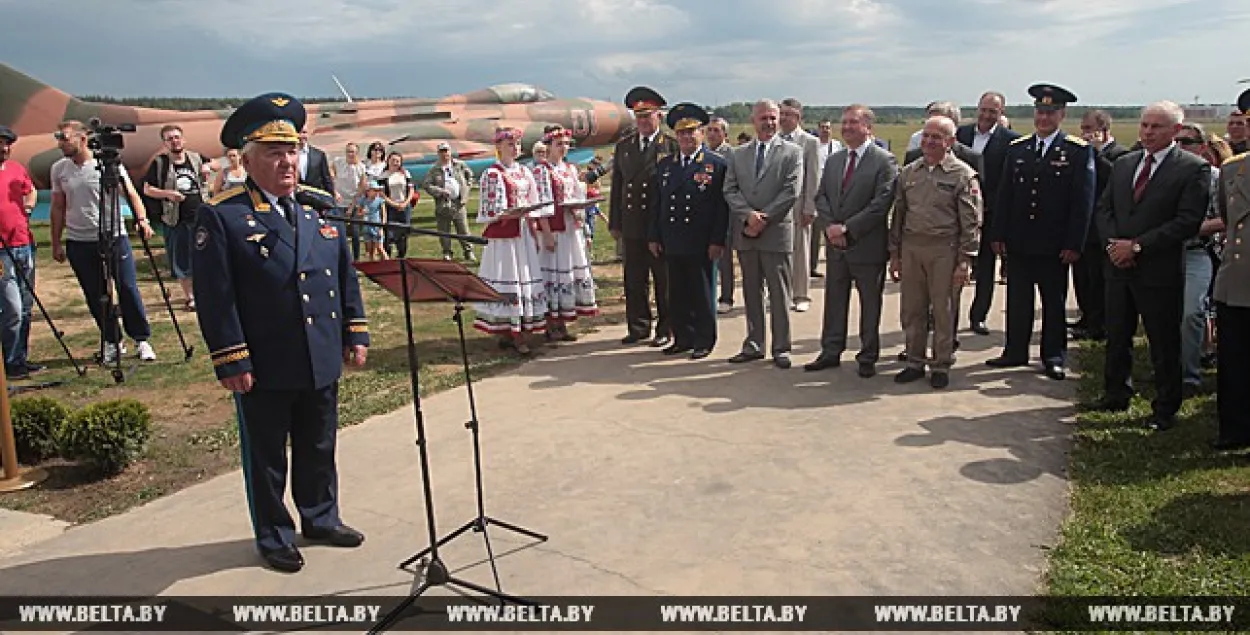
(853, 202)
(314, 167)
(1155, 201)
(689, 225)
(1041, 218)
(631, 202)
(1087, 273)
(281, 312)
(989, 139)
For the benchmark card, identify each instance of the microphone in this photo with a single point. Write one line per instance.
(319, 202)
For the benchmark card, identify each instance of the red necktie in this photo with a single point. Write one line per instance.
(1139, 187)
(850, 171)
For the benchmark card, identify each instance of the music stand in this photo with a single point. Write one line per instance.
(426, 280)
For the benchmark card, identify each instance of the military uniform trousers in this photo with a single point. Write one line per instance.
(1233, 372)
(692, 303)
(1090, 288)
(1159, 308)
(869, 282)
(771, 268)
(927, 287)
(1049, 275)
(309, 418)
(640, 269)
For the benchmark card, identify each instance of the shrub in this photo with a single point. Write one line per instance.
(36, 423)
(108, 434)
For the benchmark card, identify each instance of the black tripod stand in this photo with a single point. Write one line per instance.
(418, 280)
(480, 523)
(187, 351)
(21, 273)
(106, 142)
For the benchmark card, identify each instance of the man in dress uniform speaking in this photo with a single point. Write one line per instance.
(280, 310)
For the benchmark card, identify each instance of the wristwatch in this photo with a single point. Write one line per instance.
(1137, 248)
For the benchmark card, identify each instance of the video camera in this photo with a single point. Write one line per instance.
(106, 140)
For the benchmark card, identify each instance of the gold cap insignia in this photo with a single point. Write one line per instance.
(280, 102)
(277, 131)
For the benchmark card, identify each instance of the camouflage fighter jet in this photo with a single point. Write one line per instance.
(413, 127)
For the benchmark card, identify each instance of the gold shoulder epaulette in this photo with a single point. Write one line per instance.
(1235, 158)
(314, 190)
(227, 194)
(1077, 140)
(1020, 138)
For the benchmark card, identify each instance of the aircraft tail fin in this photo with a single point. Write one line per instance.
(30, 106)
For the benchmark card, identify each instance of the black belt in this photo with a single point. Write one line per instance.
(1196, 247)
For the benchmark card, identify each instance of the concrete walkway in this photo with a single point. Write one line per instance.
(654, 475)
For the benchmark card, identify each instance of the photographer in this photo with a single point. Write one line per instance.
(178, 179)
(76, 214)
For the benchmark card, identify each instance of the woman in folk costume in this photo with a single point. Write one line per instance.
(511, 262)
(566, 270)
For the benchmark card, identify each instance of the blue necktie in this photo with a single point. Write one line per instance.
(759, 160)
(288, 205)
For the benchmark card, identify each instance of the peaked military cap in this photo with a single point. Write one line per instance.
(1050, 97)
(7, 133)
(1243, 102)
(643, 100)
(268, 118)
(686, 115)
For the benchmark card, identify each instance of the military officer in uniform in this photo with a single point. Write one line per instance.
(281, 313)
(631, 202)
(1232, 303)
(690, 222)
(1045, 202)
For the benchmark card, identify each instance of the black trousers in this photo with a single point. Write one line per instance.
(267, 419)
(640, 269)
(1091, 289)
(1049, 276)
(1232, 325)
(984, 272)
(692, 301)
(1159, 308)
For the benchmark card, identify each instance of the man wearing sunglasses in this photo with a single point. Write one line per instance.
(1198, 270)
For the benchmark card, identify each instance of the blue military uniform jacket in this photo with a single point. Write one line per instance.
(690, 212)
(1045, 203)
(274, 301)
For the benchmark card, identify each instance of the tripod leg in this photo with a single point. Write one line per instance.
(490, 555)
(398, 612)
(520, 530)
(22, 275)
(186, 350)
(446, 539)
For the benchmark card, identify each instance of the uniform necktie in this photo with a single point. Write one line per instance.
(1041, 147)
(1139, 187)
(685, 162)
(646, 141)
(759, 159)
(288, 205)
(850, 170)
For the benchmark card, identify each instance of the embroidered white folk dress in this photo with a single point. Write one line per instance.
(566, 271)
(511, 264)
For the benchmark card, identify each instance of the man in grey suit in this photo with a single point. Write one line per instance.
(762, 185)
(804, 212)
(854, 199)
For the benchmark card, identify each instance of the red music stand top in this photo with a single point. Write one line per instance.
(429, 280)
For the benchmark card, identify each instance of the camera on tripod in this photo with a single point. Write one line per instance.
(105, 140)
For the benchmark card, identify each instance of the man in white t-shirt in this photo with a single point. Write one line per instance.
(76, 217)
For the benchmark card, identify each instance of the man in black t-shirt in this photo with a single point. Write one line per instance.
(178, 180)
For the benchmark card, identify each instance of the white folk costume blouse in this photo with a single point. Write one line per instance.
(505, 188)
(560, 183)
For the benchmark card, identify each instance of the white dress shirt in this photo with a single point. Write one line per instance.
(1047, 141)
(982, 139)
(1154, 167)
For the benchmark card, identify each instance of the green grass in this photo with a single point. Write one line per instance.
(1152, 514)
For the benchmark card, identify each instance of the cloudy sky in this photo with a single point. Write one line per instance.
(882, 52)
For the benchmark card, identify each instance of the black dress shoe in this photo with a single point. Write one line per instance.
(821, 363)
(341, 536)
(1229, 446)
(867, 369)
(1161, 423)
(741, 358)
(782, 362)
(909, 375)
(700, 353)
(1055, 372)
(661, 341)
(1107, 404)
(677, 349)
(980, 328)
(286, 560)
(632, 339)
(1005, 362)
(939, 380)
